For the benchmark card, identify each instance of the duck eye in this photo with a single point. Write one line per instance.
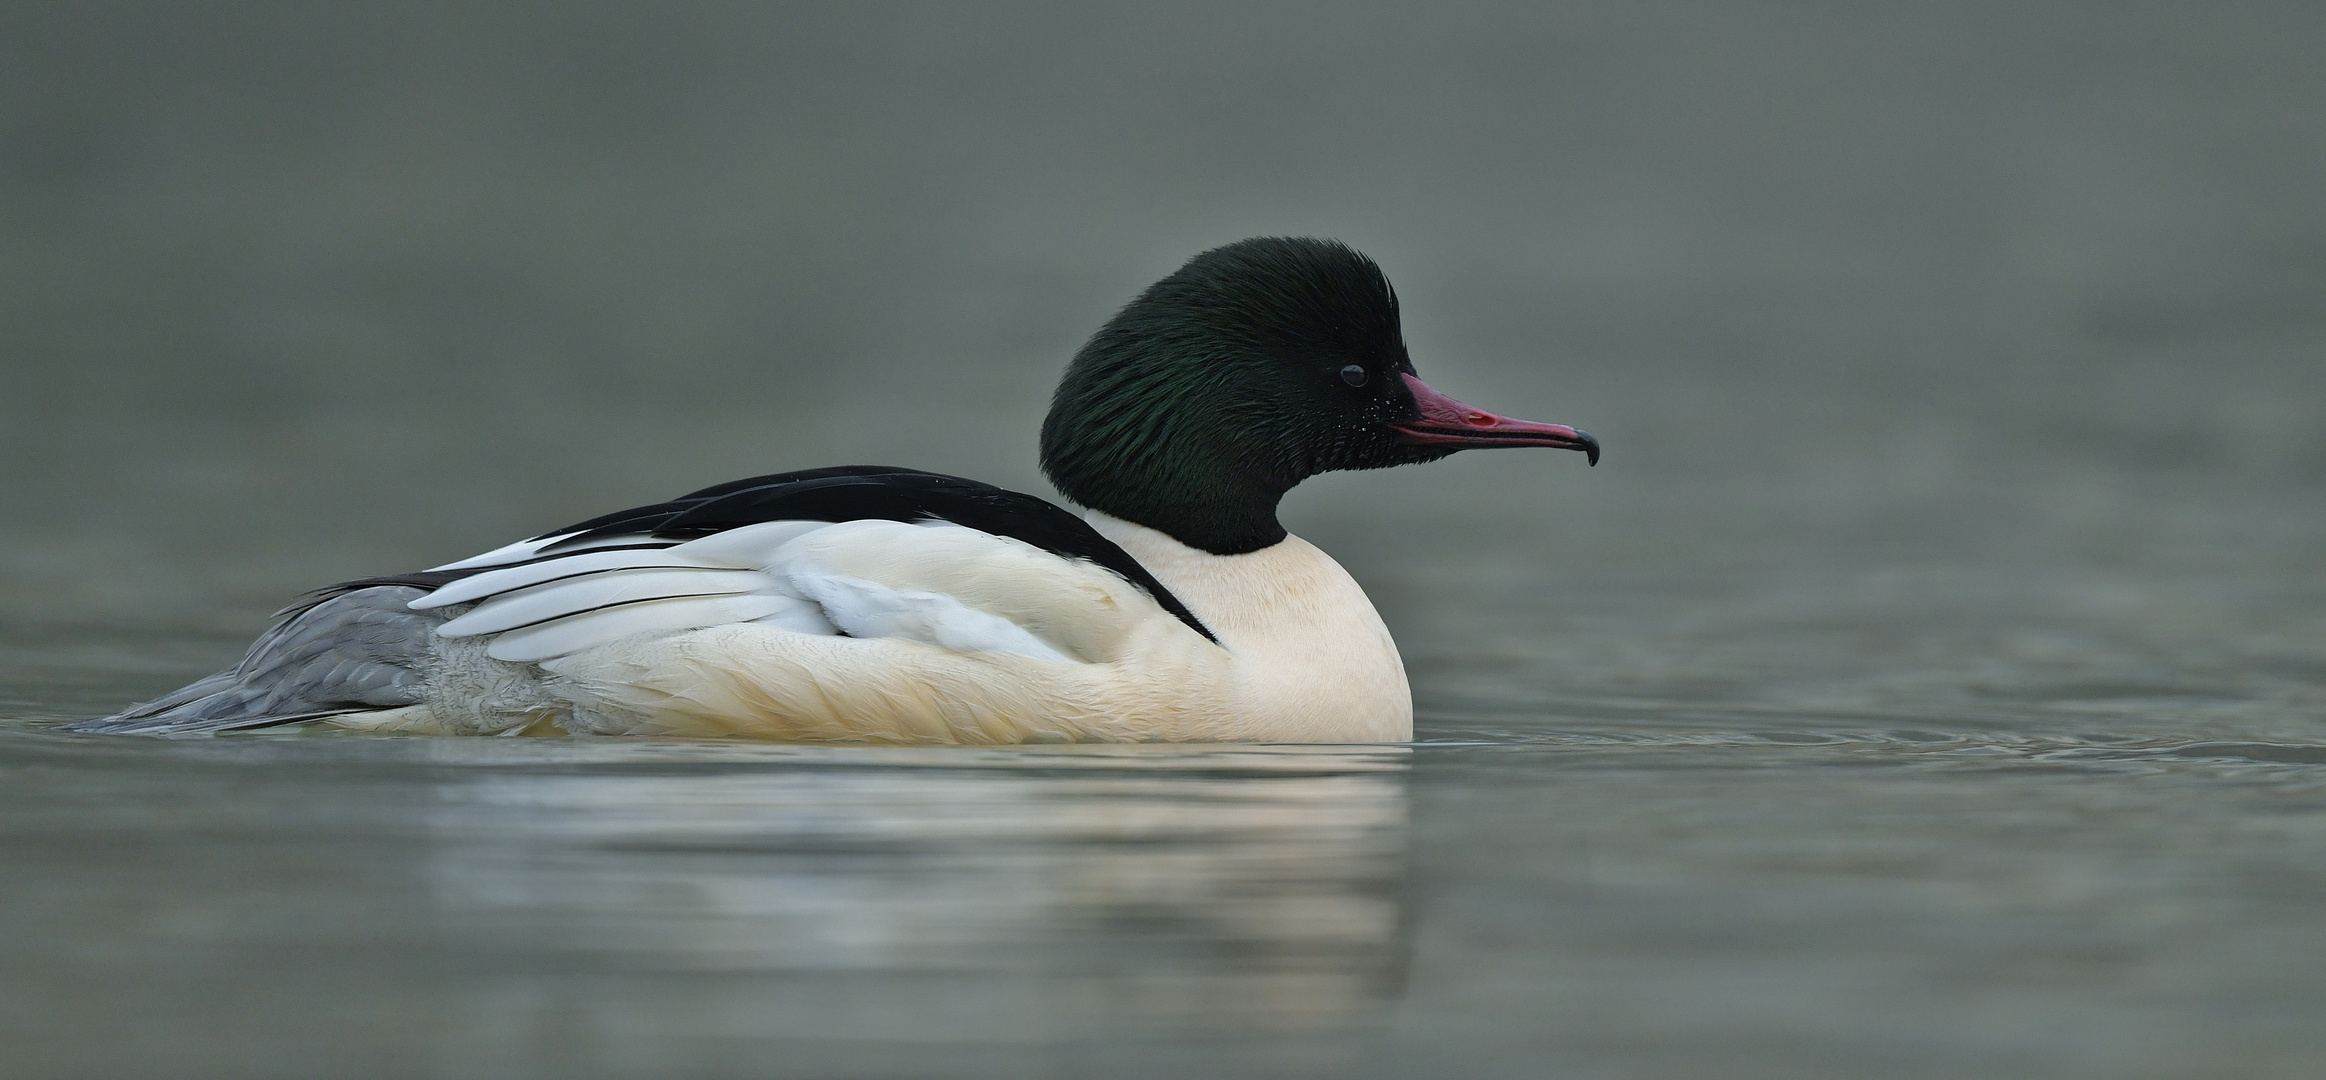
(1354, 374)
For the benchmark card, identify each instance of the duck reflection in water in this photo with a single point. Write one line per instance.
(695, 891)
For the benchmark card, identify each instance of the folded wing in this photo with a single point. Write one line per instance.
(933, 582)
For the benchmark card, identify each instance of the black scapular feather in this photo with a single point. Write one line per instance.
(876, 492)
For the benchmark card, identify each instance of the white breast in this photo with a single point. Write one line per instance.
(1312, 660)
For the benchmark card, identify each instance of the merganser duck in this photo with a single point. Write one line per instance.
(871, 603)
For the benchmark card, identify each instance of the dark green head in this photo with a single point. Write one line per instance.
(1254, 367)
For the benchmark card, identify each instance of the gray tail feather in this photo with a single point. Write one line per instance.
(206, 707)
(349, 648)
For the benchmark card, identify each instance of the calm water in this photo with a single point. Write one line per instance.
(1931, 682)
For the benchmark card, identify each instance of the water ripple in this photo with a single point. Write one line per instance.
(1905, 747)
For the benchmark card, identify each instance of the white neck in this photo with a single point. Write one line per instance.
(1312, 660)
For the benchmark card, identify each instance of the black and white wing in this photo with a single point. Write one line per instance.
(726, 554)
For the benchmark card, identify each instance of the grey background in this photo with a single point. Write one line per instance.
(294, 293)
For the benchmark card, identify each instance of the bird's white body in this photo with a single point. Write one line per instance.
(931, 633)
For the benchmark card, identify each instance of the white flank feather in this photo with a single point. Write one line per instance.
(751, 545)
(577, 595)
(572, 634)
(868, 610)
(510, 579)
(800, 617)
(747, 548)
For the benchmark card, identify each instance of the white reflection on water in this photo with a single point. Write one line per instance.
(873, 893)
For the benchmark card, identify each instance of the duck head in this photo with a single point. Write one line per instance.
(1254, 367)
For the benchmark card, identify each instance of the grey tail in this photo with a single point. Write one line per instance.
(352, 647)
